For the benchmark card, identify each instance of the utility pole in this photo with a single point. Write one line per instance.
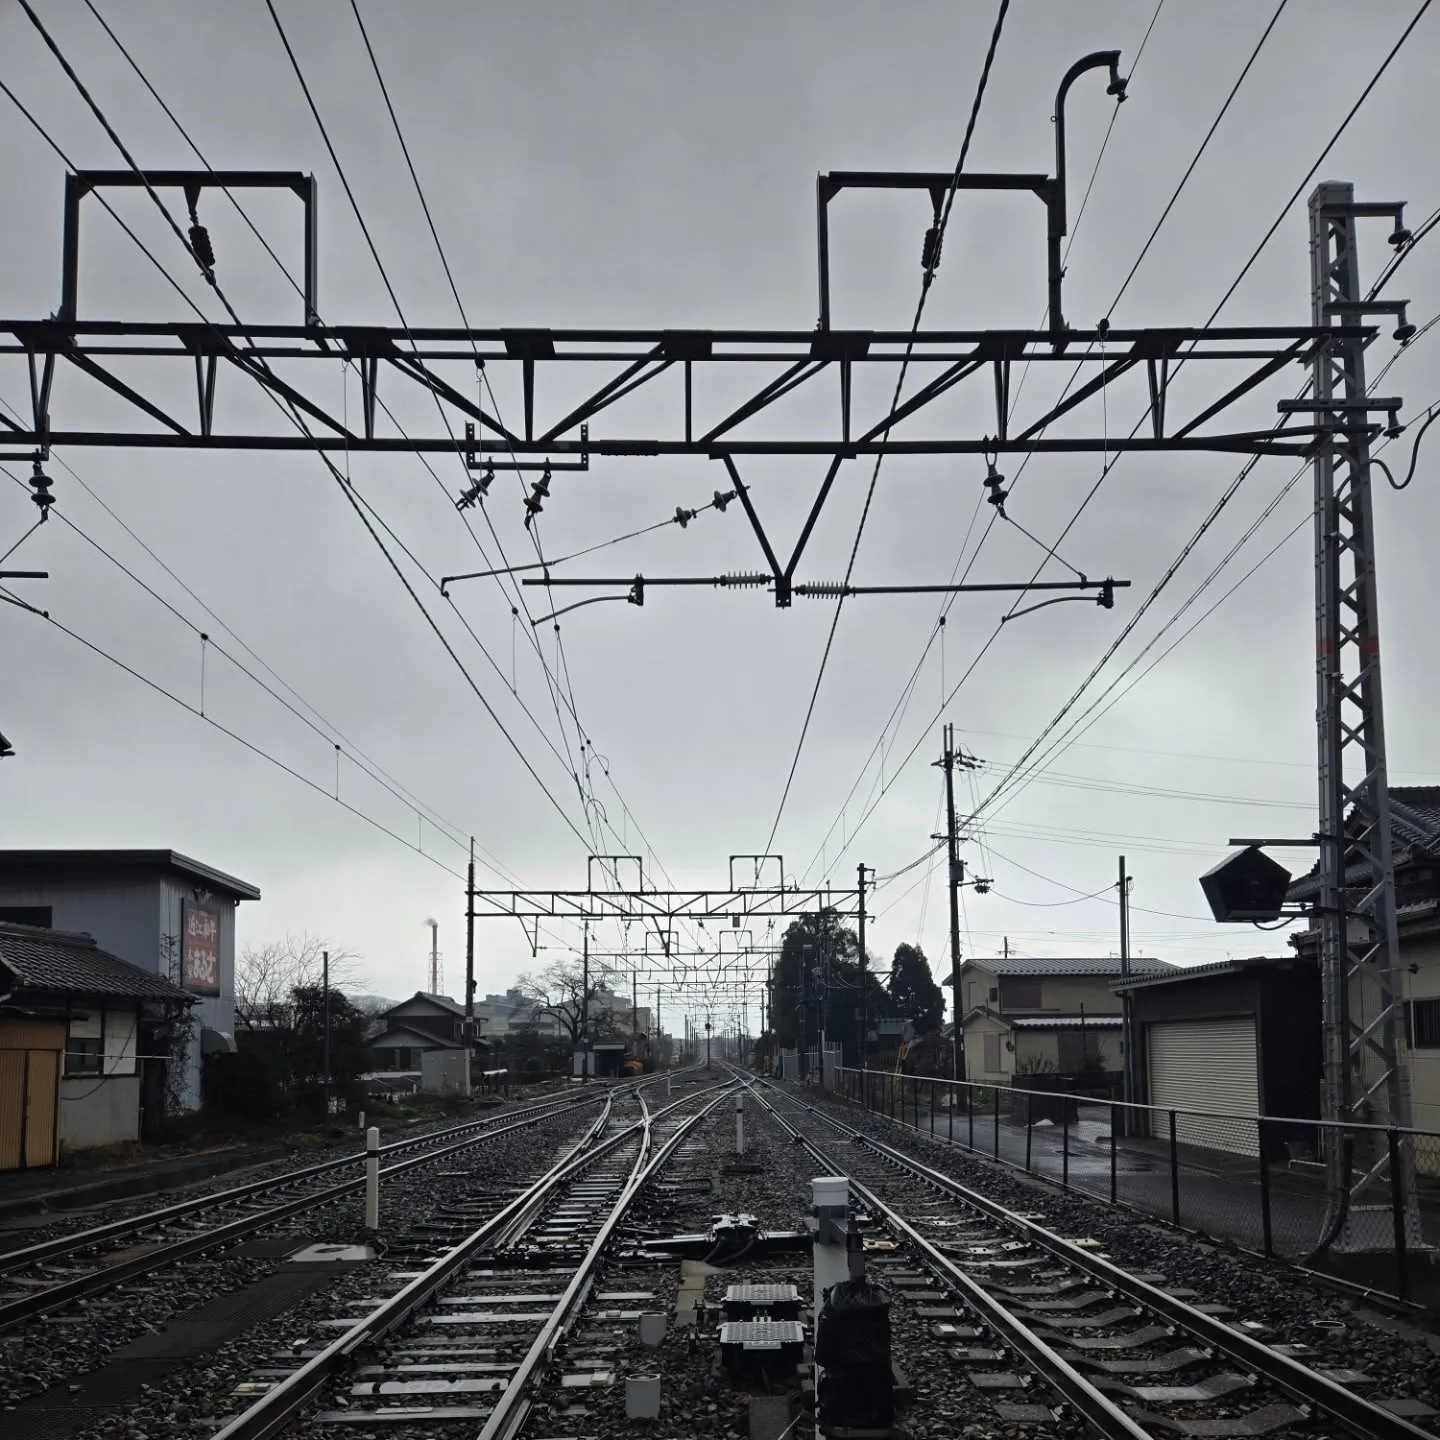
(585, 1004)
(470, 953)
(1127, 1035)
(956, 874)
(864, 990)
(1360, 976)
(325, 1010)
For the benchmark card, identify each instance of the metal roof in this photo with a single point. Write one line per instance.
(61, 962)
(1066, 965)
(1063, 1022)
(169, 860)
(1214, 967)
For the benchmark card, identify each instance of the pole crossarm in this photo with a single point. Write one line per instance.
(174, 386)
(719, 905)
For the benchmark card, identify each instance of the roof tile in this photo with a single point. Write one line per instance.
(73, 964)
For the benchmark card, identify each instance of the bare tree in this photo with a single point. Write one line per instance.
(267, 976)
(557, 993)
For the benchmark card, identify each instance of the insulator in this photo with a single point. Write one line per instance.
(930, 251)
(822, 590)
(40, 486)
(683, 517)
(721, 501)
(200, 244)
(746, 580)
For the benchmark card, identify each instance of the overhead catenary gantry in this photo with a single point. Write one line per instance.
(687, 375)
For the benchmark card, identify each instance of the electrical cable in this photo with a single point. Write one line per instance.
(593, 840)
(902, 704)
(929, 275)
(1013, 780)
(587, 799)
(327, 732)
(1344, 124)
(226, 731)
(295, 418)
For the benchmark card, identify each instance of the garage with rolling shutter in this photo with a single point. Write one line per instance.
(1207, 1065)
(1241, 1037)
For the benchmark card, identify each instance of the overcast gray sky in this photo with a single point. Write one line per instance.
(652, 164)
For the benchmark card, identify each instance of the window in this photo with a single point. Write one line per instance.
(992, 1054)
(84, 1046)
(1020, 995)
(1425, 1024)
(994, 993)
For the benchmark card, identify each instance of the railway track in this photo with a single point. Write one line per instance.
(468, 1337)
(1134, 1359)
(47, 1276)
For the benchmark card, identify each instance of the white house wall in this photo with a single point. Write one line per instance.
(97, 1112)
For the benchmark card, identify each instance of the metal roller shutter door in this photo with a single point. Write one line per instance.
(1206, 1065)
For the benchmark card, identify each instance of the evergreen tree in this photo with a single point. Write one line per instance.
(816, 984)
(913, 991)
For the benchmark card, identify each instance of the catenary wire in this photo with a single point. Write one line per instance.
(299, 422)
(980, 89)
(1269, 234)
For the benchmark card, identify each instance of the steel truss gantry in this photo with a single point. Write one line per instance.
(1361, 980)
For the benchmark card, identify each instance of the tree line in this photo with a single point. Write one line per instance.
(816, 985)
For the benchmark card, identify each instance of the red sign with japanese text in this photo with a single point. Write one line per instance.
(200, 949)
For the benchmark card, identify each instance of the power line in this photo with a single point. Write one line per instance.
(294, 417)
(933, 256)
(1269, 234)
(587, 798)
(239, 739)
(901, 707)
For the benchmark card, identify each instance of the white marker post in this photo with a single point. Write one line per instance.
(372, 1178)
(362, 1120)
(739, 1124)
(830, 1201)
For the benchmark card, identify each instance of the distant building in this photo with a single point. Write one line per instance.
(159, 911)
(422, 1023)
(1024, 1015)
(84, 1041)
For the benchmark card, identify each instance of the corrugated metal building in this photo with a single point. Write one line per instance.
(157, 910)
(1239, 1037)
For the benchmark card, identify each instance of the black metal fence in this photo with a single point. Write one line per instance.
(1259, 1180)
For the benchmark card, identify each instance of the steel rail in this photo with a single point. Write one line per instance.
(1101, 1412)
(270, 1414)
(512, 1409)
(61, 1245)
(105, 1277)
(1358, 1415)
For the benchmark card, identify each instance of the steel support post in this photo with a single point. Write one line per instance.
(1359, 945)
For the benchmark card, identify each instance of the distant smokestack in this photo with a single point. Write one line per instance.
(434, 956)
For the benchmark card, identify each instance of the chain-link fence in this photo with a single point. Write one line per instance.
(1290, 1189)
